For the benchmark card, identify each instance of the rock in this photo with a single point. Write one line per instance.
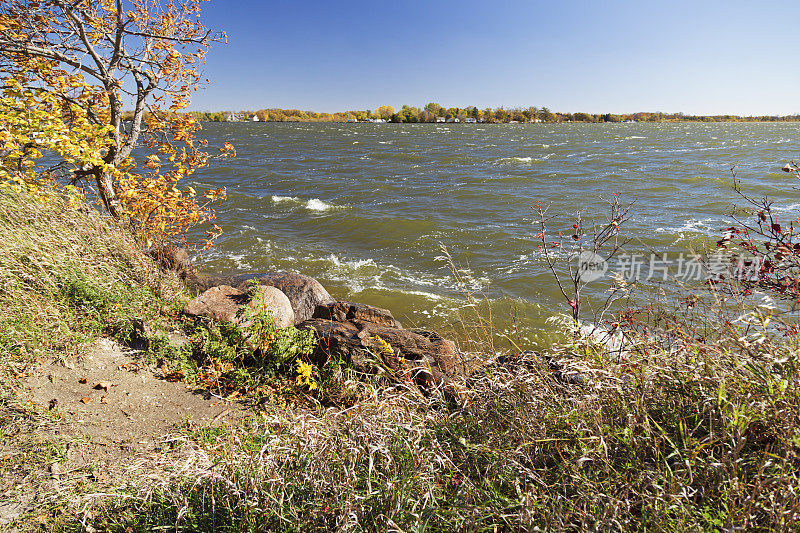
(448, 359)
(426, 356)
(170, 257)
(305, 293)
(430, 378)
(223, 302)
(338, 340)
(354, 312)
(141, 333)
(531, 361)
(220, 303)
(277, 303)
(409, 344)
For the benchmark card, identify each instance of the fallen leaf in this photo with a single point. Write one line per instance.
(103, 399)
(82, 380)
(53, 404)
(86, 399)
(105, 385)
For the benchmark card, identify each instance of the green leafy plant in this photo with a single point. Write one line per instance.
(251, 350)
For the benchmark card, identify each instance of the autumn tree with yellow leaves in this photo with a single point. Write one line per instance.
(68, 70)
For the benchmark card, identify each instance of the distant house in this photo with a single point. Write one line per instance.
(439, 119)
(254, 118)
(470, 120)
(513, 122)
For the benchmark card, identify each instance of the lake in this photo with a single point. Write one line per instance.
(366, 208)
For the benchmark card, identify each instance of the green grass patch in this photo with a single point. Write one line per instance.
(67, 274)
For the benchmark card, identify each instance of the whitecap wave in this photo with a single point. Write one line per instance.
(283, 199)
(315, 204)
(787, 208)
(517, 159)
(353, 264)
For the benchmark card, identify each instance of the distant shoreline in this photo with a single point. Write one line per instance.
(437, 114)
(740, 121)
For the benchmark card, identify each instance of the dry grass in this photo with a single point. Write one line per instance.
(665, 432)
(66, 273)
(705, 438)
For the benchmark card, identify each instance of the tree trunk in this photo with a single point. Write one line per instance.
(105, 187)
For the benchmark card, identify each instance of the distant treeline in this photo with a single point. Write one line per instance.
(434, 112)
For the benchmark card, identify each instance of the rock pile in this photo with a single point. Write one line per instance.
(350, 332)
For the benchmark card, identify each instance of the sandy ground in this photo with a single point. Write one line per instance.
(108, 411)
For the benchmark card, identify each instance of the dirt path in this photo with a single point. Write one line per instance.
(103, 412)
(115, 402)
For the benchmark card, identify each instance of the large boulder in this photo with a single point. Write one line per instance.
(354, 312)
(220, 303)
(223, 302)
(336, 340)
(424, 356)
(275, 302)
(305, 293)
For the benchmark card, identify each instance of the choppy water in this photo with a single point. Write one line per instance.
(365, 207)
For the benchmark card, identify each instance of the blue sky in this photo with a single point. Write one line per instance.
(618, 56)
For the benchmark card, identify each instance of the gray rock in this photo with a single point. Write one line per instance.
(277, 304)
